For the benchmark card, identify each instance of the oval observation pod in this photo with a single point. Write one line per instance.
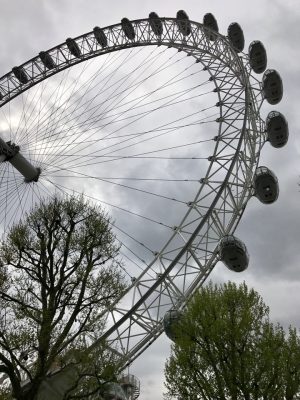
(266, 185)
(171, 319)
(155, 24)
(257, 56)
(210, 22)
(128, 28)
(277, 129)
(183, 23)
(131, 385)
(73, 47)
(233, 253)
(100, 36)
(272, 86)
(236, 36)
(20, 74)
(47, 60)
(114, 391)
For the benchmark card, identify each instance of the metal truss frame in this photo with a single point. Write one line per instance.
(186, 260)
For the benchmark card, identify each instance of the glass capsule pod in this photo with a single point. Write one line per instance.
(277, 129)
(100, 36)
(114, 391)
(47, 60)
(233, 253)
(266, 185)
(236, 36)
(272, 86)
(183, 23)
(128, 28)
(257, 56)
(20, 74)
(155, 24)
(210, 22)
(73, 47)
(130, 385)
(170, 322)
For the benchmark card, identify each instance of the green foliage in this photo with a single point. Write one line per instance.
(228, 349)
(59, 270)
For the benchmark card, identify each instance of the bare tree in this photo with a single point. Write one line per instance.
(59, 270)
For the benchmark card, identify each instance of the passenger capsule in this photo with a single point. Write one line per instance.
(100, 36)
(233, 253)
(277, 129)
(47, 60)
(73, 47)
(128, 28)
(1, 96)
(183, 23)
(20, 74)
(210, 22)
(114, 391)
(257, 56)
(130, 384)
(266, 185)
(272, 86)
(171, 319)
(236, 36)
(155, 24)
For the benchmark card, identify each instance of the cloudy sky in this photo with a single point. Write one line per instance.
(271, 232)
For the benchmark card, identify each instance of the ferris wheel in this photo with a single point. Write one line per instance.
(158, 120)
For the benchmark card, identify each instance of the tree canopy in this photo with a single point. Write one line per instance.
(227, 348)
(59, 270)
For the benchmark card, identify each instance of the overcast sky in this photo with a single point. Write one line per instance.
(271, 232)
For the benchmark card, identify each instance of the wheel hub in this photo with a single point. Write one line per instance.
(11, 152)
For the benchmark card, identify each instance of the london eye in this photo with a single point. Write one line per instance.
(158, 121)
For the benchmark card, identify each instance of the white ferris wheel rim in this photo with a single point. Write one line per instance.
(240, 129)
